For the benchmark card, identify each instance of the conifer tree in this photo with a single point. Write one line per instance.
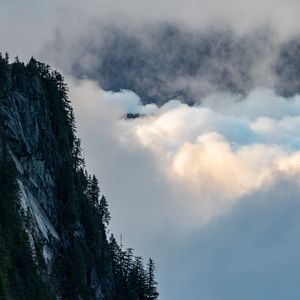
(127, 262)
(6, 58)
(104, 212)
(141, 278)
(93, 190)
(152, 293)
(77, 155)
(115, 253)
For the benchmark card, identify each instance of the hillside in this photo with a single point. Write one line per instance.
(53, 216)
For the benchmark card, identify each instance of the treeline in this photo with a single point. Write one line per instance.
(84, 256)
(133, 280)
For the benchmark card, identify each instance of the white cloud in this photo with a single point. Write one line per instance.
(228, 154)
(129, 102)
(214, 153)
(182, 183)
(259, 103)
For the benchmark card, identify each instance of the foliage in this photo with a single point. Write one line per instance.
(133, 280)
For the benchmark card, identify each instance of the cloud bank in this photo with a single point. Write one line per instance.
(165, 60)
(217, 152)
(213, 186)
(162, 61)
(228, 153)
(161, 50)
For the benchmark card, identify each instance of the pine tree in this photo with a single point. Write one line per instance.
(104, 212)
(32, 67)
(127, 262)
(93, 190)
(6, 58)
(141, 278)
(152, 293)
(79, 162)
(3, 68)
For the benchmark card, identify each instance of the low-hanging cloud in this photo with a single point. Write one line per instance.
(164, 60)
(227, 153)
(160, 61)
(190, 50)
(213, 186)
(214, 153)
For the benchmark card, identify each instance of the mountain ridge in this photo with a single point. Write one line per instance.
(60, 212)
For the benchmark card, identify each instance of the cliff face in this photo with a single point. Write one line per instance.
(27, 126)
(68, 245)
(53, 217)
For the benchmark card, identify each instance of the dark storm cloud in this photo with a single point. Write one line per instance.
(164, 61)
(186, 52)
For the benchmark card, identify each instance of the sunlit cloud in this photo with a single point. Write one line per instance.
(180, 170)
(214, 153)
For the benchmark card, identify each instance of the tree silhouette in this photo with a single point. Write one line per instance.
(152, 292)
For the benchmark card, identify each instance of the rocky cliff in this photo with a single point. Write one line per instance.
(60, 212)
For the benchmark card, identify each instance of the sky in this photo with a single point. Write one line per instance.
(210, 191)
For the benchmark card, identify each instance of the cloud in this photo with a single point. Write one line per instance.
(32, 23)
(189, 51)
(129, 102)
(214, 169)
(214, 153)
(250, 253)
(167, 60)
(210, 191)
(243, 14)
(258, 103)
(227, 154)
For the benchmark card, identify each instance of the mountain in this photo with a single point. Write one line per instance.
(53, 216)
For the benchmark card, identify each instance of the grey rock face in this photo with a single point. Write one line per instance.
(34, 148)
(26, 119)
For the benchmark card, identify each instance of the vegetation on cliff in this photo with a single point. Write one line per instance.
(84, 264)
